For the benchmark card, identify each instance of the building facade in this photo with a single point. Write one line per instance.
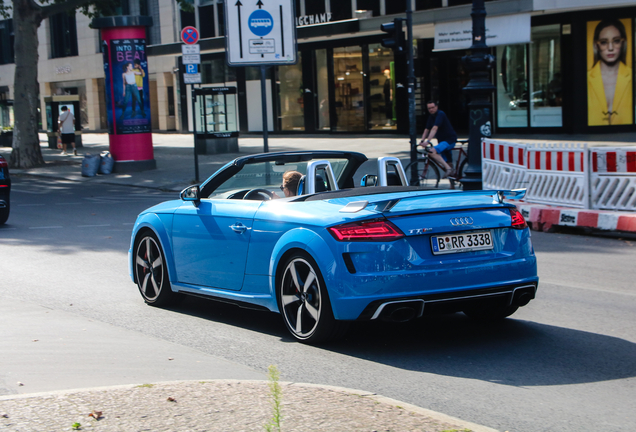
(561, 66)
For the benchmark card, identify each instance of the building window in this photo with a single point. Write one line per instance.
(512, 86)
(427, 4)
(341, 10)
(291, 106)
(63, 35)
(221, 13)
(314, 7)
(216, 71)
(6, 42)
(371, 5)
(545, 81)
(395, 6)
(187, 19)
(170, 90)
(206, 20)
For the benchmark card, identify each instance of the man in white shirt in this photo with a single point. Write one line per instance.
(66, 125)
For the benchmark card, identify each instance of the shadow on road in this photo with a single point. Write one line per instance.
(511, 352)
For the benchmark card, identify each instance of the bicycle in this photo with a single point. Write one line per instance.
(429, 174)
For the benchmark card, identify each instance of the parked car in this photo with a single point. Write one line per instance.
(335, 253)
(5, 190)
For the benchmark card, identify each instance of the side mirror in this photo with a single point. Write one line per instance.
(191, 193)
(369, 180)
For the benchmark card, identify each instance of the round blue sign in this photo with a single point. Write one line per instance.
(261, 22)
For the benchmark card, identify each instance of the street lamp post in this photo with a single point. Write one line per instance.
(479, 89)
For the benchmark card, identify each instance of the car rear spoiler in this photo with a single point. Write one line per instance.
(383, 206)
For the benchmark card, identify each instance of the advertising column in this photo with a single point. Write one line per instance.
(126, 87)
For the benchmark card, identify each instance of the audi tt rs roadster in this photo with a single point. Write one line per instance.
(331, 251)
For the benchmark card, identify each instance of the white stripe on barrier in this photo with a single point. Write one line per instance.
(556, 157)
(503, 164)
(613, 160)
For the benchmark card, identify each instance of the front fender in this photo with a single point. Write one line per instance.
(161, 225)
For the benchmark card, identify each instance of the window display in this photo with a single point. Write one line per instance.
(512, 86)
(545, 80)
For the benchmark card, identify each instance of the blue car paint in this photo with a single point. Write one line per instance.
(210, 248)
(161, 225)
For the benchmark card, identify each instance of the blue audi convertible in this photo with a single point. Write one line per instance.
(331, 251)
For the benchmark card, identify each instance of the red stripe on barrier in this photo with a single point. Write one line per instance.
(594, 162)
(559, 161)
(550, 216)
(511, 155)
(492, 151)
(626, 223)
(483, 147)
(501, 153)
(631, 161)
(537, 160)
(582, 163)
(548, 160)
(587, 219)
(521, 157)
(610, 157)
(571, 166)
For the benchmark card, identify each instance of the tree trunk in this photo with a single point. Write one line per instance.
(26, 143)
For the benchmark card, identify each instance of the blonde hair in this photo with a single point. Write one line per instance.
(291, 180)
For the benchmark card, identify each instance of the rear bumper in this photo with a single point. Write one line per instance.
(449, 302)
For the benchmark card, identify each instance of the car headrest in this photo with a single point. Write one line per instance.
(320, 184)
(392, 179)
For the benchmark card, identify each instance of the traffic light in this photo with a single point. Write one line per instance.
(395, 41)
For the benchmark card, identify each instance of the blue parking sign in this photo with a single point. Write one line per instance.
(192, 68)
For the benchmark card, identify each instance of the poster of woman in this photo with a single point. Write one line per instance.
(609, 77)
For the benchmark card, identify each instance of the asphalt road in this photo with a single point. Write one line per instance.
(70, 317)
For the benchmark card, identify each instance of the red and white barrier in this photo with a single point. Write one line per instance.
(543, 218)
(613, 178)
(557, 174)
(503, 164)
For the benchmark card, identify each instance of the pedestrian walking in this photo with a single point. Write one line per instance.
(66, 126)
(438, 126)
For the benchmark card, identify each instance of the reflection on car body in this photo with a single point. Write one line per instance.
(335, 252)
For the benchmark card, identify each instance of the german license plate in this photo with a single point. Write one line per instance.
(454, 243)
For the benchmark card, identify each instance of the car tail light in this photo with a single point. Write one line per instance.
(518, 221)
(3, 163)
(366, 231)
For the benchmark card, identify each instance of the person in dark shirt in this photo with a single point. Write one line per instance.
(438, 126)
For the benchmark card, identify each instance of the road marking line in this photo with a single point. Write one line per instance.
(30, 205)
(46, 227)
(93, 226)
(71, 203)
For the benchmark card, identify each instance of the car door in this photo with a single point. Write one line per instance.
(211, 240)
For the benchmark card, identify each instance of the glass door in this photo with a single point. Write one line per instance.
(349, 85)
(381, 97)
(291, 109)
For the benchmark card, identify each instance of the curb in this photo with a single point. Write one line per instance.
(544, 218)
(473, 427)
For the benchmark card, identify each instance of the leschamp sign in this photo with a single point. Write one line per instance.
(500, 30)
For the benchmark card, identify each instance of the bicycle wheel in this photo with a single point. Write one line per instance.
(427, 173)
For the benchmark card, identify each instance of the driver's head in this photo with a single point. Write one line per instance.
(290, 183)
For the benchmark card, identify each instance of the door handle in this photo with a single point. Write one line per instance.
(238, 227)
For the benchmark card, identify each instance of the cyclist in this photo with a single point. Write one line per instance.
(438, 126)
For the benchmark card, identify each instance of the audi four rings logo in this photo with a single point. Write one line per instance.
(461, 221)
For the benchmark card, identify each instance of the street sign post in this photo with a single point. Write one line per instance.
(189, 35)
(191, 58)
(261, 34)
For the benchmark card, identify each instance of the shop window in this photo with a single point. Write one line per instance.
(545, 81)
(216, 71)
(427, 4)
(313, 7)
(381, 101)
(395, 6)
(341, 10)
(206, 18)
(348, 83)
(371, 5)
(6, 42)
(63, 35)
(221, 13)
(512, 86)
(291, 109)
(170, 90)
(322, 89)
(298, 7)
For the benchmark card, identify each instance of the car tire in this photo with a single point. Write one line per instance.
(488, 314)
(151, 272)
(304, 303)
(4, 213)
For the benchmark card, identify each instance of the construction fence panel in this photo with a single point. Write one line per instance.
(503, 164)
(613, 178)
(557, 174)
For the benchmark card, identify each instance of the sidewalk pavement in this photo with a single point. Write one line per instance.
(245, 405)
